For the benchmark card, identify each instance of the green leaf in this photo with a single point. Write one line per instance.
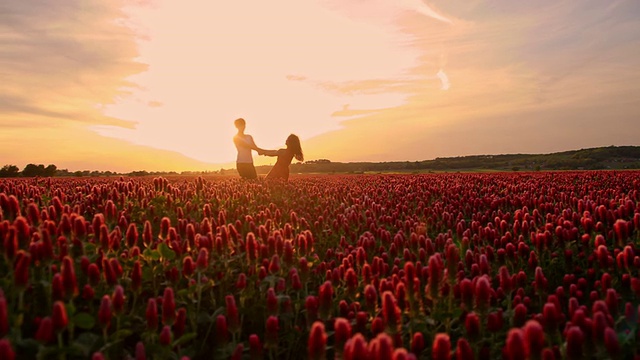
(86, 342)
(28, 348)
(203, 318)
(166, 252)
(120, 334)
(430, 321)
(219, 311)
(225, 352)
(75, 350)
(147, 272)
(271, 279)
(184, 339)
(48, 352)
(157, 254)
(27, 343)
(89, 248)
(156, 351)
(151, 254)
(84, 321)
(71, 309)
(626, 337)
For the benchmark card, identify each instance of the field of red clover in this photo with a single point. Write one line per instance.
(540, 265)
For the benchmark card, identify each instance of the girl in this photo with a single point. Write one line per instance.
(293, 150)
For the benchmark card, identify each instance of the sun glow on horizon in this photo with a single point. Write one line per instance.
(282, 73)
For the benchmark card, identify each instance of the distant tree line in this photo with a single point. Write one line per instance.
(33, 170)
(9, 171)
(612, 157)
(30, 170)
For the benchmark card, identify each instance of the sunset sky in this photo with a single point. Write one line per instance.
(155, 85)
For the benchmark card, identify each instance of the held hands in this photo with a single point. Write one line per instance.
(266, 152)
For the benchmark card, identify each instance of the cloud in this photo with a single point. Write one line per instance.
(444, 79)
(295, 78)
(529, 77)
(61, 62)
(425, 9)
(347, 112)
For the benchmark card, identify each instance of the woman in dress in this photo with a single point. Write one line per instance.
(285, 156)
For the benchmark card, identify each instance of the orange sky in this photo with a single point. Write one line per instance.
(156, 85)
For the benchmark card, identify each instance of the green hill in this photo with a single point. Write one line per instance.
(612, 157)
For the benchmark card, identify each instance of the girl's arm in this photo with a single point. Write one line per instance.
(272, 152)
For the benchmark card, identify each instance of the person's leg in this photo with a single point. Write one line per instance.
(252, 172)
(242, 170)
(246, 170)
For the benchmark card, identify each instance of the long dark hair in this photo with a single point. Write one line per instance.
(293, 144)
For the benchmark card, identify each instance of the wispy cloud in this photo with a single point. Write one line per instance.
(529, 77)
(444, 79)
(425, 9)
(59, 62)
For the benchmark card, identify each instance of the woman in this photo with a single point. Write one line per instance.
(281, 169)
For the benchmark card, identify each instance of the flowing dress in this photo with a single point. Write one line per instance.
(281, 169)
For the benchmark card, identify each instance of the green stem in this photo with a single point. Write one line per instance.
(449, 308)
(411, 316)
(71, 330)
(199, 289)
(133, 305)
(62, 355)
(206, 336)
(21, 301)
(48, 288)
(155, 290)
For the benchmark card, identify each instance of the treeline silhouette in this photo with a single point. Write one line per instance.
(612, 157)
(602, 158)
(33, 170)
(30, 170)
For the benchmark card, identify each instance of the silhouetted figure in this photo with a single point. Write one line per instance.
(281, 169)
(244, 144)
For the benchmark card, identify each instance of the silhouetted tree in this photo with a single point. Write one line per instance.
(9, 171)
(39, 170)
(33, 170)
(63, 172)
(50, 170)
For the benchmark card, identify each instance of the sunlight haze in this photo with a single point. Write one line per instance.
(155, 85)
